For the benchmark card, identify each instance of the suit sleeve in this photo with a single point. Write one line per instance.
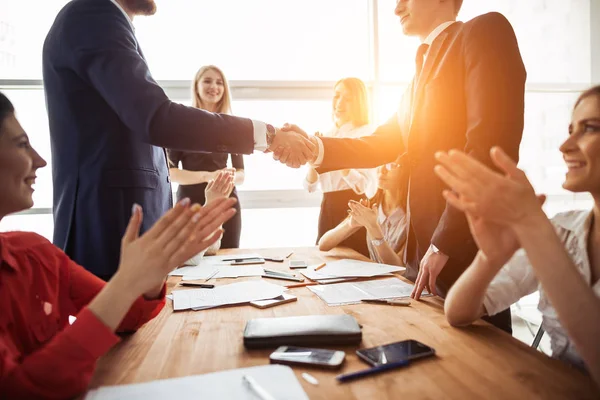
(495, 96)
(106, 55)
(174, 157)
(383, 146)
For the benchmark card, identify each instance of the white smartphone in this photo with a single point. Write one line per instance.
(323, 358)
(298, 264)
(284, 298)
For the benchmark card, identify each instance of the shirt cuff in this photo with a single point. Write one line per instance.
(260, 135)
(91, 334)
(321, 152)
(311, 187)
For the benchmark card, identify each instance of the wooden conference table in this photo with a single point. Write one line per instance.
(478, 362)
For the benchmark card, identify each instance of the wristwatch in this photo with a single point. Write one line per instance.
(377, 242)
(270, 135)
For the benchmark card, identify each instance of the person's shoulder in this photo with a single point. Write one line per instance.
(489, 18)
(491, 23)
(19, 241)
(571, 220)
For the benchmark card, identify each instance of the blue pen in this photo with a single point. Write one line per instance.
(371, 371)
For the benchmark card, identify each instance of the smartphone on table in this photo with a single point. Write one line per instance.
(394, 352)
(247, 261)
(323, 358)
(298, 264)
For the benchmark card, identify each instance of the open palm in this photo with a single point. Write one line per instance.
(497, 242)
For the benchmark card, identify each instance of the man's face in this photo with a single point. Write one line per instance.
(140, 7)
(417, 16)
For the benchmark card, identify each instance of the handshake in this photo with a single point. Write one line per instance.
(293, 147)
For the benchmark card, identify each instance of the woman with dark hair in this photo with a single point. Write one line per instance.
(210, 92)
(41, 354)
(383, 216)
(561, 256)
(350, 112)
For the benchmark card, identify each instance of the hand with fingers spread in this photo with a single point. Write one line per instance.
(220, 187)
(505, 199)
(181, 233)
(292, 146)
(429, 270)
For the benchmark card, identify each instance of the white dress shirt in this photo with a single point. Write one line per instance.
(517, 279)
(362, 181)
(260, 128)
(394, 231)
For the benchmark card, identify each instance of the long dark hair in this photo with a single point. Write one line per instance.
(593, 91)
(403, 180)
(6, 109)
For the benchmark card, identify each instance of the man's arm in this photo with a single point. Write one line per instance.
(383, 146)
(495, 93)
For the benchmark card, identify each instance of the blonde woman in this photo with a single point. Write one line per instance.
(350, 109)
(193, 171)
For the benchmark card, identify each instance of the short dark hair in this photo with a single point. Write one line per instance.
(6, 109)
(457, 6)
(593, 91)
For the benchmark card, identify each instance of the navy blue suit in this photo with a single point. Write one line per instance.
(109, 122)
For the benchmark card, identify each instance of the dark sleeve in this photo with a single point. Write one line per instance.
(237, 161)
(383, 146)
(174, 157)
(105, 53)
(495, 102)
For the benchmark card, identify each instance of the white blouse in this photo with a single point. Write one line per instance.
(394, 231)
(362, 181)
(517, 279)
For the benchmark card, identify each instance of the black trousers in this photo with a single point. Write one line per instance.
(334, 209)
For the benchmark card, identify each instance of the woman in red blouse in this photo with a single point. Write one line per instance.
(41, 354)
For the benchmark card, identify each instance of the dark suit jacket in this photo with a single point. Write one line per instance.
(470, 96)
(109, 121)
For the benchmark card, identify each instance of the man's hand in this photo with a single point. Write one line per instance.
(292, 146)
(220, 187)
(430, 268)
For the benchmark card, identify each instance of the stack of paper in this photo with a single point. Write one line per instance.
(236, 293)
(342, 270)
(277, 380)
(233, 271)
(353, 292)
(212, 261)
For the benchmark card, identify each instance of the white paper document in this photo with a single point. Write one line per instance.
(278, 381)
(229, 271)
(350, 269)
(353, 292)
(235, 293)
(211, 261)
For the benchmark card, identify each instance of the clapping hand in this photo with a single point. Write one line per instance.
(181, 233)
(220, 187)
(364, 214)
(291, 146)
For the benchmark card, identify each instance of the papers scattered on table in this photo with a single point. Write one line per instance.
(234, 271)
(277, 380)
(212, 261)
(353, 292)
(349, 269)
(235, 293)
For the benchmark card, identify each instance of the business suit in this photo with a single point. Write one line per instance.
(470, 96)
(109, 121)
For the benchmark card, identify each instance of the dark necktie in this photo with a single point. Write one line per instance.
(419, 60)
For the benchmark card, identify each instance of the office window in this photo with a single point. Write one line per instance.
(259, 39)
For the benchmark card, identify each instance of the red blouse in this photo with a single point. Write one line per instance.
(41, 355)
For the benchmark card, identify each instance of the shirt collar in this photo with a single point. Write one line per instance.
(124, 13)
(436, 32)
(578, 221)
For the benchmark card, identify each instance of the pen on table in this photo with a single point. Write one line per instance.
(194, 284)
(256, 388)
(387, 301)
(295, 285)
(289, 255)
(309, 378)
(320, 266)
(371, 371)
(212, 275)
(283, 277)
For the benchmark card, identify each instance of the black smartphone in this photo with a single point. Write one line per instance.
(394, 352)
(291, 355)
